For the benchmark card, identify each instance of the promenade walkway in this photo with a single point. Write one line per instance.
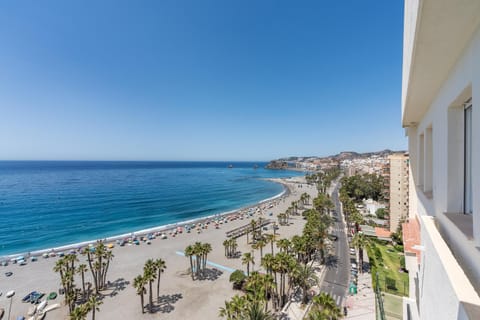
(362, 305)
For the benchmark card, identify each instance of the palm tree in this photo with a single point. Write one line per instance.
(253, 225)
(304, 276)
(324, 305)
(160, 266)
(198, 251)
(256, 312)
(206, 249)
(150, 274)
(235, 308)
(190, 252)
(81, 270)
(139, 284)
(108, 256)
(283, 245)
(267, 262)
(226, 245)
(93, 304)
(360, 241)
(79, 313)
(247, 259)
(271, 238)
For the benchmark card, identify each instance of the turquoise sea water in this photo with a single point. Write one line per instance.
(45, 204)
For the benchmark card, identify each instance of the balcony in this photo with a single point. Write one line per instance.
(444, 287)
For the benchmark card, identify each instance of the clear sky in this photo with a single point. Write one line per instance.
(199, 80)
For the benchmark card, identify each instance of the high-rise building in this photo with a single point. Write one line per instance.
(440, 111)
(398, 188)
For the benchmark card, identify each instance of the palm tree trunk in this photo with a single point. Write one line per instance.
(158, 285)
(150, 297)
(141, 301)
(94, 275)
(191, 267)
(83, 284)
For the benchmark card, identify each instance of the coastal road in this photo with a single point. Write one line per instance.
(338, 265)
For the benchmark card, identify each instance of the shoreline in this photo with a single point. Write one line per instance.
(157, 229)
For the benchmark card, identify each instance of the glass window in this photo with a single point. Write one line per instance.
(468, 160)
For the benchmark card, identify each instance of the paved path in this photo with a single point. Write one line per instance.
(362, 305)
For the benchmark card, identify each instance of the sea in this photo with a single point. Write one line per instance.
(46, 204)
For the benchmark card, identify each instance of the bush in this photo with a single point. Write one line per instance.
(238, 278)
(381, 213)
(398, 247)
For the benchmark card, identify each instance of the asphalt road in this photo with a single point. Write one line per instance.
(338, 265)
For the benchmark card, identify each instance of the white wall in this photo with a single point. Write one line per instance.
(439, 291)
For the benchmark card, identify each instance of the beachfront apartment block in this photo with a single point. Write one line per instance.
(441, 117)
(398, 168)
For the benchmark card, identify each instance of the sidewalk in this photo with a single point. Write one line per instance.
(362, 305)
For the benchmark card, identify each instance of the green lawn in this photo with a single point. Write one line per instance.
(393, 306)
(386, 260)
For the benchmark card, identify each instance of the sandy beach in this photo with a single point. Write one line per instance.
(181, 298)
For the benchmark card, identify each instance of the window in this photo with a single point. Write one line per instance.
(428, 158)
(421, 163)
(468, 158)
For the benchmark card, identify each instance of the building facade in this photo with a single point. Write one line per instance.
(440, 97)
(398, 169)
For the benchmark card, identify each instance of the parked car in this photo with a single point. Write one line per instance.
(29, 296)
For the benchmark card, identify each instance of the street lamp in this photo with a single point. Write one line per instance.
(10, 295)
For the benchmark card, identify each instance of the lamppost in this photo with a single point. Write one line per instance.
(10, 295)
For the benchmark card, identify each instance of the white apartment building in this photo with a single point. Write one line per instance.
(440, 111)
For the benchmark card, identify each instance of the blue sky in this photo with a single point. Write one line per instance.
(199, 80)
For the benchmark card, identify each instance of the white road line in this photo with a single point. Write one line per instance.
(338, 299)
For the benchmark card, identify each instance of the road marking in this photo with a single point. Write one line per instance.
(338, 299)
(210, 263)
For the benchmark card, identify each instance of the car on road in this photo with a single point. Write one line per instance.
(352, 251)
(332, 237)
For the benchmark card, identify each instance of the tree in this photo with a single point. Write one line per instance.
(160, 266)
(260, 244)
(93, 304)
(98, 258)
(248, 259)
(284, 245)
(304, 276)
(271, 238)
(139, 284)
(79, 313)
(360, 242)
(65, 266)
(324, 307)
(81, 270)
(150, 274)
(190, 252)
(235, 308)
(381, 213)
(255, 312)
(237, 278)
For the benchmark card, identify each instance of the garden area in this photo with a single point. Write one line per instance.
(389, 262)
